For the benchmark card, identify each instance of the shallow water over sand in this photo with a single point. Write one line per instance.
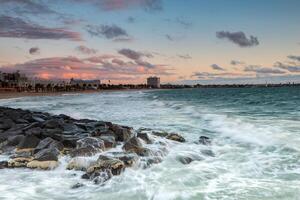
(256, 145)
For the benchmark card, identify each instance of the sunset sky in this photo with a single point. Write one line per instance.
(125, 41)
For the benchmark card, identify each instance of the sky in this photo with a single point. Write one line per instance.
(125, 41)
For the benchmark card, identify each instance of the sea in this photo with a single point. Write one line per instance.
(255, 135)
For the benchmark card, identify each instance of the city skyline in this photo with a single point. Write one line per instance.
(126, 41)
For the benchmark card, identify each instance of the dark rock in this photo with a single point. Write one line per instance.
(22, 154)
(116, 166)
(77, 185)
(145, 137)
(15, 140)
(204, 140)
(84, 151)
(128, 159)
(6, 123)
(54, 123)
(30, 126)
(49, 154)
(3, 164)
(85, 176)
(22, 121)
(37, 118)
(175, 137)
(49, 143)
(100, 177)
(28, 142)
(91, 141)
(36, 131)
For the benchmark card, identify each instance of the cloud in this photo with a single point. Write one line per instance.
(238, 38)
(107, 31)
(169, 37)
(290, 68)
(217, 67)
(85, 50)
(208, 75)
(186, 56)
(236, 62)
(134, 55)
(297, 58)
(184, 23)
(131, 20)
(26, 7)
(34, 50)
(17, 28)
(263, 70)
(103, 67)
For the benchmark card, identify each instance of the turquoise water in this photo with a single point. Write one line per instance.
(255, 133)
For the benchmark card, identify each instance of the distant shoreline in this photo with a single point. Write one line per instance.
(11, 95)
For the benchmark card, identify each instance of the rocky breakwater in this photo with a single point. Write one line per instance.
(100, 149)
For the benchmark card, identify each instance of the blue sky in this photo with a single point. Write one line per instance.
(183, 41)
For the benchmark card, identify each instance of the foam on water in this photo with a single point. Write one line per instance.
(255, 148)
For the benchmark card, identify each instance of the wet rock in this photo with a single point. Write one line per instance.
(28, 142)
(80, 163)
(185, 160)
(116, 166)
(160, 133)
(91, 141)
(36, 131)
(109, 141)
(145, 137)
(48, 143)
(22, 121)
(84, 151)
(100, 177)
(134, 145)
(175, 137)
(3, 164)
(45, 165)
(77, 185)
(19, 162)
(121, 133)
(204, 140)
(129, 159)
(49, 154)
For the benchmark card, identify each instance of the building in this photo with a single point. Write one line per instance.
(153, 82)
(85, 83)
(13, 80)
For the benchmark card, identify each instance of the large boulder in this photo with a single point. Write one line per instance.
(175, 137)
(116, 166)
(48, 143)
(54, 123)
(84, 151)
(91, 141)
(6, 123)
(15, 140)
(109, 141)
(134, 145)
(36, 131)
(49, 154)
(122, 133)
(145, 137)
(29, 142)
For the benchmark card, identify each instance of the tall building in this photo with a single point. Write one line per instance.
(153, 82)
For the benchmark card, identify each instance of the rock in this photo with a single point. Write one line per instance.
(6, 123)
(100, 177)
(185, 160)
(84, 151)
(24, 154)
(91, 141)
(77, 185)
(109, 141)
(15, 140)
(49, 143)
(80, 163)
(36, 131)
(45, 165)
(160, 134)
(54, 123)
(22, 121)
(3, 164)
(122, 133)
(49, 154)
(129, 159)
(175, 137)
(28, 142)
(132, 143)
(19, 162)
(145, 137)
(116, 166)
(204, 140)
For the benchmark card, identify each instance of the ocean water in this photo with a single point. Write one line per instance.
(255, 134)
